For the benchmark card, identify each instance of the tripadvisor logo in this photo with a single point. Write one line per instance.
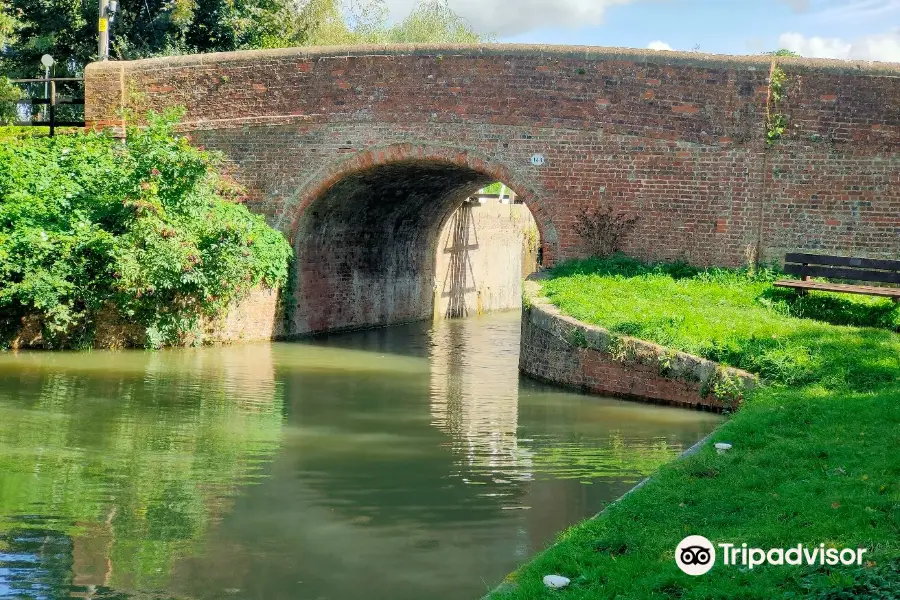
(696, 555)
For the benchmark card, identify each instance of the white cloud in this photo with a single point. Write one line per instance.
(659, 45)
(513, 17)
(881, 47)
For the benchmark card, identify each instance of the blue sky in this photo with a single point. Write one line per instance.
(847, 29)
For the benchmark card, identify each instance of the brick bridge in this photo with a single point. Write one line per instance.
(360, 154)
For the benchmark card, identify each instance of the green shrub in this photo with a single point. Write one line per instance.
(87, 222)
(9, 96)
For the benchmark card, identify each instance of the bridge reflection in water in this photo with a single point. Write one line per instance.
(398, 463)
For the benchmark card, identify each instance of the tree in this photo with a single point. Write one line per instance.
(9, 93)
(784, 52)
(337, 22)
(9, 97)
(66, 29)
(7, 25)
(434, 21)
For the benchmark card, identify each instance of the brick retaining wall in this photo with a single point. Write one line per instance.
(559, 349)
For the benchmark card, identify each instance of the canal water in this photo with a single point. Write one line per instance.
(404, 463)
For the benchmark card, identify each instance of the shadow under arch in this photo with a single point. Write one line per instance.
(365, 232)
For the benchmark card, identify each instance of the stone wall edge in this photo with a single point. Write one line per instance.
(583, 346)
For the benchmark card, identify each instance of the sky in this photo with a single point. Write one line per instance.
(844, 29)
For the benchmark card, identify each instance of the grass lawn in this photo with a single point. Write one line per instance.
(816, 456)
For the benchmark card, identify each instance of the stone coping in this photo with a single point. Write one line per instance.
(672, 364)
(511, 51)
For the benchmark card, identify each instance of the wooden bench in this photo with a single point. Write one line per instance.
(842, 267)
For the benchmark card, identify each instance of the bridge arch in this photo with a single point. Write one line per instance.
(365, 231)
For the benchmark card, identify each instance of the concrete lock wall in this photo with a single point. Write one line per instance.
(485, 250)
(361, 154)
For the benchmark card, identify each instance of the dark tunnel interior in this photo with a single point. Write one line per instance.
(366, 247)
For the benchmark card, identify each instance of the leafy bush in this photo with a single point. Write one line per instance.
(87, 222)
(9, 96)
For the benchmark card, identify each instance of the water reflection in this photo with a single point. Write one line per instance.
(130, 456)
(475, 398)
(396, 463)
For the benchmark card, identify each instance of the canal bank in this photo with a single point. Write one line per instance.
(559, 349)
(810, 457)
(485, 248)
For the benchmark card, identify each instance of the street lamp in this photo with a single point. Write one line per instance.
(48, 62)
(108, 10)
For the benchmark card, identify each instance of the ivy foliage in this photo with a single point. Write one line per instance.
(149, 228)
(776, 123)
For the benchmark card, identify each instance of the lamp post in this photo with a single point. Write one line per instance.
(48, 62)
(108, 9)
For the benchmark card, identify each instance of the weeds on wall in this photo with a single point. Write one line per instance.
(729, 389)
(532, 239)
(603, 230)
(776, 123)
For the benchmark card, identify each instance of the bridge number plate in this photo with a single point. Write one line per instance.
(538, 160)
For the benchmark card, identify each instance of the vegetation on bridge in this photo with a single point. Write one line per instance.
(814, 456)
(149, 227)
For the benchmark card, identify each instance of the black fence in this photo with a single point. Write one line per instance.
(54, 102)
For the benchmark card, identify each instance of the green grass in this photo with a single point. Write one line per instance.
(738, 319)
(14, 132)
(816, 455)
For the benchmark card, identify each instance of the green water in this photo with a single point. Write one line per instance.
(404, 463)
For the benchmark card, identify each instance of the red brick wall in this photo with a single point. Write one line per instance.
(678, 139)
(833, 182)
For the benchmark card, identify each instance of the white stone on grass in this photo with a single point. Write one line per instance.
(555, 581)
(722, 447)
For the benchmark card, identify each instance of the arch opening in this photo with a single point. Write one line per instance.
(400, 242)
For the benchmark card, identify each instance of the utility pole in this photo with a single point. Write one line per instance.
(103, 28)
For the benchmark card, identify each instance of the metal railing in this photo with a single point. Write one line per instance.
(53, 101)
